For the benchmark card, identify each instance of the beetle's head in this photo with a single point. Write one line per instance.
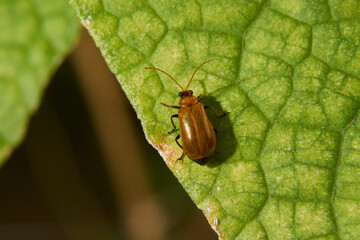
(185, 93)
(187, 99)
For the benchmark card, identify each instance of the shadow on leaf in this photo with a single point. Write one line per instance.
(225, 138)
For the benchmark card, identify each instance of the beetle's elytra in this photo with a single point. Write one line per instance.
(197, 135)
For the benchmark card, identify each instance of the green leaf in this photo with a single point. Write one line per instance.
(35, 36)
(288, 161)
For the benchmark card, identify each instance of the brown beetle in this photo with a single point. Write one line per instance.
(196, 132)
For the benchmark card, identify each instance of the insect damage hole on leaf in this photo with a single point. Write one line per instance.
(198, 136)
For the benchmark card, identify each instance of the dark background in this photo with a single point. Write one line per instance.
(85, 169)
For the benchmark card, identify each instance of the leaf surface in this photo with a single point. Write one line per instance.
(288, 161)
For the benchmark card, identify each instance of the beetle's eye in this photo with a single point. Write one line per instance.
(191, 92)
(180, 94)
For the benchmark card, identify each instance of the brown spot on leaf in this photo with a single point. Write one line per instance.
(166, 152)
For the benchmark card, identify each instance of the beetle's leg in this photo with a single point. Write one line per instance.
(165, 105)
(215, 130)
(176, 140)
(200, 97)
(172, 122)
(223, 115)
(183, 154)
(181, 157)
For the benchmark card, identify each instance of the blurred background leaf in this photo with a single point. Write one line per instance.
(35, 37)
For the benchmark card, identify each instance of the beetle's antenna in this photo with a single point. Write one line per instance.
(166, 74)
(195, 72)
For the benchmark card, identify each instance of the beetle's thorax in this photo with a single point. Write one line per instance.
(188, 101)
